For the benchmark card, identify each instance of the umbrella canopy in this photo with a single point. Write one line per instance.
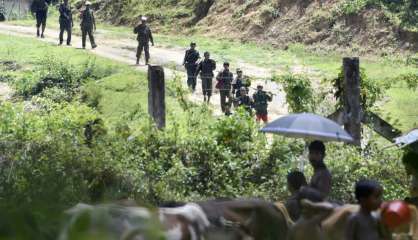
(407, 139)
(308, 125)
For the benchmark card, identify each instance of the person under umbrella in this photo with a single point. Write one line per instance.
(322, 178)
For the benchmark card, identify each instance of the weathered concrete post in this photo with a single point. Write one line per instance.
(156, 95)
(352, 105)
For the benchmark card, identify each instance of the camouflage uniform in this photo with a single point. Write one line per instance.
(190, 63)
(261, 100)
(66, 22)
(246, 102)
(206, 68)
(224, 85)
(144, 37)
(88, 24)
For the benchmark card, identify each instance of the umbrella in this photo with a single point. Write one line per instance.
(308, 125)
(407, 139)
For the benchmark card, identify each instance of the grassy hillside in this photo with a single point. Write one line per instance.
(359, 25)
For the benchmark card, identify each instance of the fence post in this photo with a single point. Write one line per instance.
(352, 105)
(156, 95)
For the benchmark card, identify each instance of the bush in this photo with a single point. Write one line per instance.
(299, 93)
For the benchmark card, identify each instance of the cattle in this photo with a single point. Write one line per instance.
(218, 219)
(113, 221)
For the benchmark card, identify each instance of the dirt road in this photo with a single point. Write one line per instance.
(123, 50)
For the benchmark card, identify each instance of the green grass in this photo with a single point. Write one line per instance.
(402, 108)
(123, 92)
(322, 64)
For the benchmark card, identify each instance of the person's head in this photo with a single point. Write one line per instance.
(239, 72)
(316, 153)
(206, 55)
(226, 65)
(259, 87)
(65, 2)
(243, 91)
(410, 160)
(88, 4)
(144, 19)
(368, 194)
(192, 45)
(296, 180)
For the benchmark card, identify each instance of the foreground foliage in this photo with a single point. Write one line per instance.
(55, 154)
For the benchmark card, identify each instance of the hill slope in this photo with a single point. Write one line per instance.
(367, 25)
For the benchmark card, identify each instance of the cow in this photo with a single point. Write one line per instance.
(115, 221)
(217, 219)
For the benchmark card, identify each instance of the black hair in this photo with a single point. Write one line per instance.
(365, 188)
(296, 180)
(206, 53)
(317, 146)
(310, 194)
(226, 63)
(411, 158)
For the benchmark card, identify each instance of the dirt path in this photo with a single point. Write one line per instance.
(123, 50)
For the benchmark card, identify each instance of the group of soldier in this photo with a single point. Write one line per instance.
(233, 91)
(87, 25)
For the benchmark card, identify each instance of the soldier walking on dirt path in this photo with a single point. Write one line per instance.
(261, 99)
(206, 68)
(190, 63)
(224, 79)
(40, 9)
(144, 38)
(66, 22)
(237, 84)
(88, 25)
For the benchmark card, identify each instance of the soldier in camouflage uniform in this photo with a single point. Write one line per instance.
(88, 25)
(224, 85)
(261, 99)
(40, 8)
(244, 100)
(239, 82)
(190, 63)
(144, 38)
(66, 21)
(206, 68)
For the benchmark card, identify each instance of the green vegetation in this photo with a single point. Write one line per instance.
(99, 144)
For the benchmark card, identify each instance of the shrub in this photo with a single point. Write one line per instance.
(299, 93)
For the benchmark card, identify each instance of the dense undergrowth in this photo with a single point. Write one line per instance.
(58, 146)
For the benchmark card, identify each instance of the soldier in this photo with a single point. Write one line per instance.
(239, 81)
(224, 79)
(190, 63)
(66, 21)
(244, 100)
(144, 37)
(261, 99)
(88, 24)
(206, 68)
(40, 8)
